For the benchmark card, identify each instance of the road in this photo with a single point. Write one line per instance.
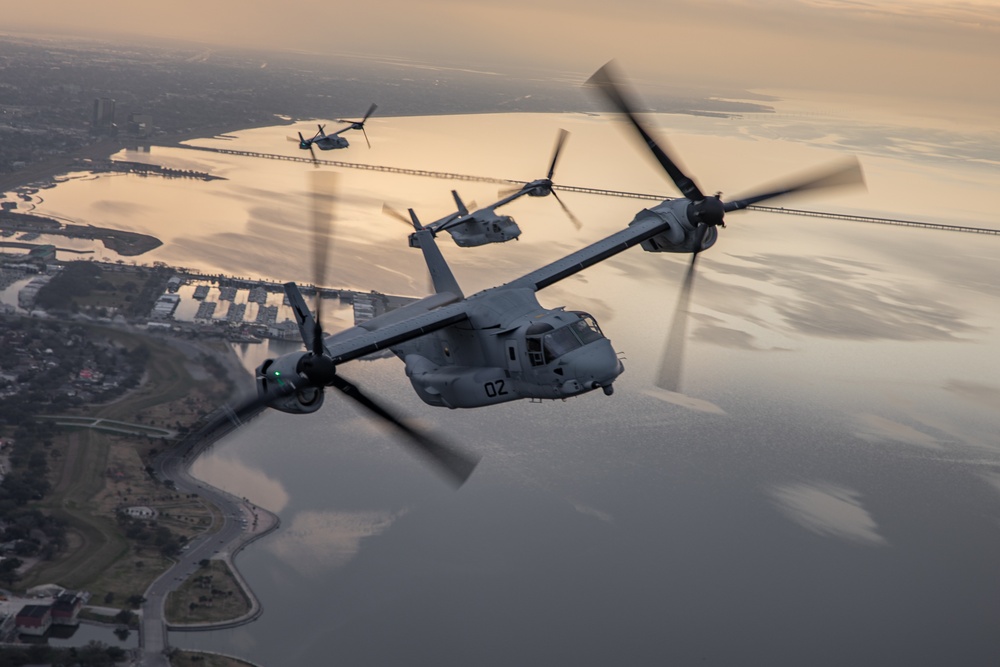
(241, 523)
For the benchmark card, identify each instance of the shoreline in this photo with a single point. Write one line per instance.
(176, 464)
(104, 149)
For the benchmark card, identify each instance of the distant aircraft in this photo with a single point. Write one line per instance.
(327, 142)
(484, 225)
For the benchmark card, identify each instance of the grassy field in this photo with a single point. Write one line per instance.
(211, 594)
(98, 472)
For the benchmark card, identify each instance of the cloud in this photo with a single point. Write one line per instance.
(835, 298)
(684, 401)
(983, 394)
(879, 429)
(230, 473)
(828, 510)
(318, 541)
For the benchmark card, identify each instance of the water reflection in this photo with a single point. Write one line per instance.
(827, 351)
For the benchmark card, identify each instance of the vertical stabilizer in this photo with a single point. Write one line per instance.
(304, 318)
(458, 202)
(441, 275)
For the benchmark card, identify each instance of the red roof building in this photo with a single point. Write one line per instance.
(34, 619)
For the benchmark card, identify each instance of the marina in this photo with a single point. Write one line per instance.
(255, 309)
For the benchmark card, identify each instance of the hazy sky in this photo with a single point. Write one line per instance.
(910, 48)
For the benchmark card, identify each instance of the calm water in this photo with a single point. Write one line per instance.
(839, 507)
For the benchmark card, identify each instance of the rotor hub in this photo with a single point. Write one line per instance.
(317, 368)
(709, 211)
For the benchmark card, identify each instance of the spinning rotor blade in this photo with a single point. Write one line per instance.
(455, 464)
(319, 368)
(607, 80)
(843, 175)
(243, 411)
(390, 211)
(366, 136)
(672, 362)
(572, 218)
(506, 192)
(370, 111)
(560, 140)
(323, 187)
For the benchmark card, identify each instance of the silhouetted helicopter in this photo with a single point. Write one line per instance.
(327, 142)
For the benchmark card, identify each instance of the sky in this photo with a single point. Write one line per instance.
(917, 50)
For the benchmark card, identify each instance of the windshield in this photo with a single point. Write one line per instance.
(554, 344)
(559, 342)
(586, 329)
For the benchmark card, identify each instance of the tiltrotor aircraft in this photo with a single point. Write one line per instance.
(485, 225)
(497, 345)
(693, 221)
(327, 142)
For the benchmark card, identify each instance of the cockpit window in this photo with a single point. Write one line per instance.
(558, 343)
(586, 328)
(545, 349)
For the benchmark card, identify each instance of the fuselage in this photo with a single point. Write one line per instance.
(510, 348)
(484, 226)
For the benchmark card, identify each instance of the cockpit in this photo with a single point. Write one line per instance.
(547, 343)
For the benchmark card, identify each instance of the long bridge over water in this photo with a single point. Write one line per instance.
(594, 191)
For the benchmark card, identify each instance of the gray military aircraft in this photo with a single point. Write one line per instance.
(485, 225)
(693, 221)
(327, 142)
(500, 344)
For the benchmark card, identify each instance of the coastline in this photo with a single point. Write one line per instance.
(268, 522)
(176, 465)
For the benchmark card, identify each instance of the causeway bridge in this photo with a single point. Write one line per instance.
(595, 191)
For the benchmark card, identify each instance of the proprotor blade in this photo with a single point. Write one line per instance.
(390, 211)
(608, 81)
(236, 416)
(572, 218)
(845, 174)
(455, 464)
(323, 195)
(672, 363)
(560, 140)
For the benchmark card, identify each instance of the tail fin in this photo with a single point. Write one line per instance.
(458, 202)
(303, 317)
(441, 275)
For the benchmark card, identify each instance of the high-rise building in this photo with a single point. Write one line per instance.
(104, 114)
(140, 124)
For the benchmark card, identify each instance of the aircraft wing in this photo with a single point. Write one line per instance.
(646, 226)
(508, 199)
(397, 326)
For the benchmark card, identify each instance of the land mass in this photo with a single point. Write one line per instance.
(126, 244)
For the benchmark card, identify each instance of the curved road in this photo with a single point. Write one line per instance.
(237, 529)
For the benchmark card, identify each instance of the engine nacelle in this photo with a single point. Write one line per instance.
(276, 373)
(680, 236)
(459, 386)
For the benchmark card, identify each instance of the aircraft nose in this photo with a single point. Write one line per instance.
(597, 364)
